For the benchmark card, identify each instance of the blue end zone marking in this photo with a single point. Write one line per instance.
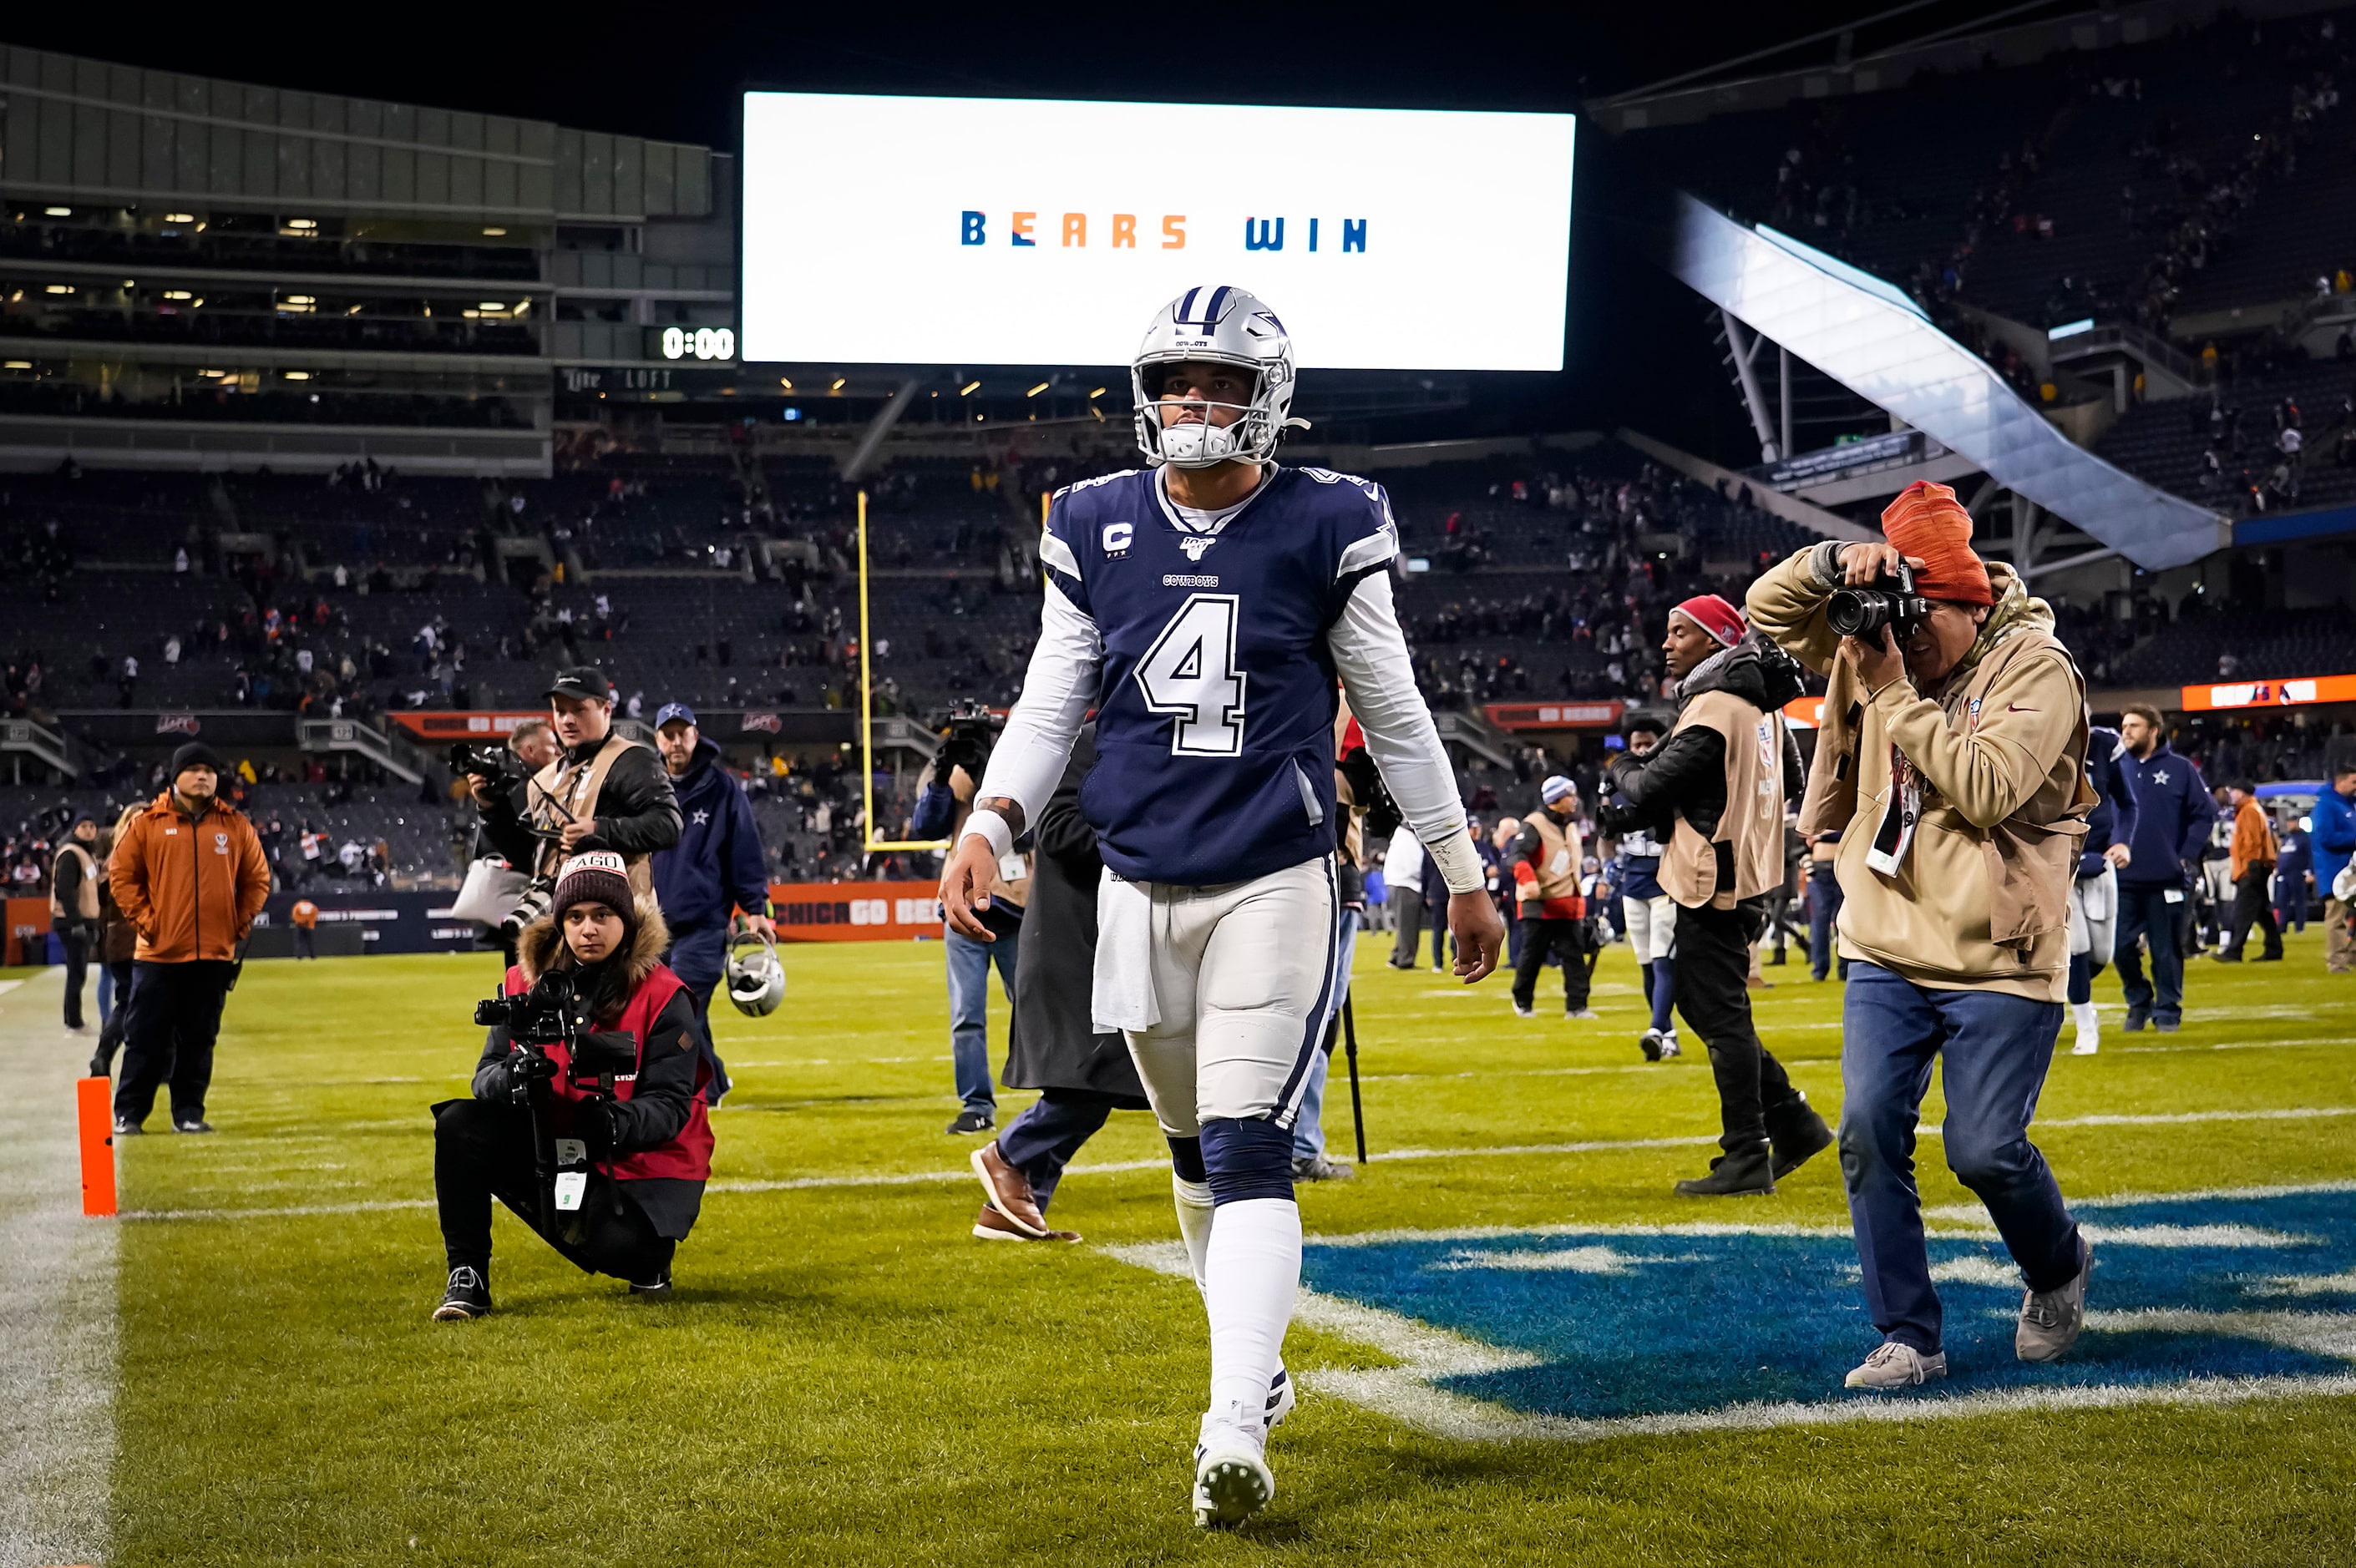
(1649, 1324)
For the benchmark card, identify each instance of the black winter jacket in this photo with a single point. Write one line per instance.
(638, 812)
(1685, 775)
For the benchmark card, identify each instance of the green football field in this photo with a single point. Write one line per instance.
(845, 1376)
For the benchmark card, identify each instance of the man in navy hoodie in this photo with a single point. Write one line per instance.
(2173, 816)
(716, 867)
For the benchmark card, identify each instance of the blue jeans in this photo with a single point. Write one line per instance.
(1042, 1141)
(1309, 1127)
(970, 962)
(1995, 1050)
(1824, 938)
(2145, 911)
(697, 957)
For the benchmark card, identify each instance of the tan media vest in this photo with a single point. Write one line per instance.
(1558, 867)
(1753, 823)
(562, 793)
(85, 896)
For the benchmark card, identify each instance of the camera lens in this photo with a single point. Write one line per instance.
(1857, 611)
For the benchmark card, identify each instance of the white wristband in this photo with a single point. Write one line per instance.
(1460, 863)
(991, 830)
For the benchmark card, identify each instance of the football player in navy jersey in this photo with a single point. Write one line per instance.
(1203, 606)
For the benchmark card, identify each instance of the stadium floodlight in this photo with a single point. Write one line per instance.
(838, 380)
(1037, 389)
(491, 304)
(2070, 329)
(60, 288)
(495, 233)
(58, 211)
(178, 294)
(179, 218)
(969, 388)
(1097, 393)
(297, 375)
(786, 382)
(302, 223)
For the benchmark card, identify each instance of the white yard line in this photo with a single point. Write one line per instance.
(58, 1314)
(1109, 1168)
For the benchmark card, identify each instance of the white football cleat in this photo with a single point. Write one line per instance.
(2090, 1028)
(1232, 1480)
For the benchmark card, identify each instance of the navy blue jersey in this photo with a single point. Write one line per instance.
(1214, 718)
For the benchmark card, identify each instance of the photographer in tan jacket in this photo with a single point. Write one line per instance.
(1951, 761)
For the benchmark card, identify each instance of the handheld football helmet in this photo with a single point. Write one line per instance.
(756, 981)
(1227, 326)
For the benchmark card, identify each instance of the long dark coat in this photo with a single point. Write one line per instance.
(1052, 1043)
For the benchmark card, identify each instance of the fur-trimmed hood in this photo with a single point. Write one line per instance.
(540, 945)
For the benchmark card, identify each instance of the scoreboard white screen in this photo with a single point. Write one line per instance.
(1018, 231)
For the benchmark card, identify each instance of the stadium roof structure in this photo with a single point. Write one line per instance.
(1876, 342)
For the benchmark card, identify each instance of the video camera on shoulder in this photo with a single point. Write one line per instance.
(966, 737)
(1889, 601)
(553, 1012)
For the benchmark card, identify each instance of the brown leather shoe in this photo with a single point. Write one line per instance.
(992, 1226)
(1009, 1191)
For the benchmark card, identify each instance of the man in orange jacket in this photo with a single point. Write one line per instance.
(2252, 860)
(189, 875)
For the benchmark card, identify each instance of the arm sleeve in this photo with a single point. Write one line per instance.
(1687, 764)
(252, 883)
(643, 812)
(127, 874)
(2122, 796)
(1787, 603)
(660, 1101)
(1987, 773)
(2200, 815)
(489, 1069)
(748, 869)
(1370, 652)
(1067, 671)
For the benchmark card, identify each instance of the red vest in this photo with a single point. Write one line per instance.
(687, 1156)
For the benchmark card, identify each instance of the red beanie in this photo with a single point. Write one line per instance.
(1927, 523)
(1713, 614)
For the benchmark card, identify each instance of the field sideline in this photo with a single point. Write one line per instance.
(845, 1376)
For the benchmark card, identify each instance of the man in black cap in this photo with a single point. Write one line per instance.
(600, 785)
(73, 910)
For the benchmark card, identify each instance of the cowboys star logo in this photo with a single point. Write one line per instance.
(701, 817)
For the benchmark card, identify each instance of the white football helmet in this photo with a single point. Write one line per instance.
(1231, 327)
(756, 981)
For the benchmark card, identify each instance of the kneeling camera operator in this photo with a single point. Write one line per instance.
(588, 1119)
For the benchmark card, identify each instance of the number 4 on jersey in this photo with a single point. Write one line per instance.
(1191, 672)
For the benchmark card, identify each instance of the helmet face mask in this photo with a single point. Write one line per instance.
(1221, 325)
(756, 980)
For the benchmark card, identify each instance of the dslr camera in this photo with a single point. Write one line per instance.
(496, 764)
(966, 737)
(1889, 601)
(554, 1013)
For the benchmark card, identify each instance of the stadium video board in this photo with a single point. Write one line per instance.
(1018, 231)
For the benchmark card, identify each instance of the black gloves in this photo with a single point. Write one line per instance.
(524, 1068)
(593, 1124)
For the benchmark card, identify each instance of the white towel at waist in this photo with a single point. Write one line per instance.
(1123, 997)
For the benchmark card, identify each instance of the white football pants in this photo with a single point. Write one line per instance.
(1243, 978)
(1652, 925)
(2094, 915)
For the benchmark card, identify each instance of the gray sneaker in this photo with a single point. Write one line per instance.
(1894, 1366)
(2049, 1319)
